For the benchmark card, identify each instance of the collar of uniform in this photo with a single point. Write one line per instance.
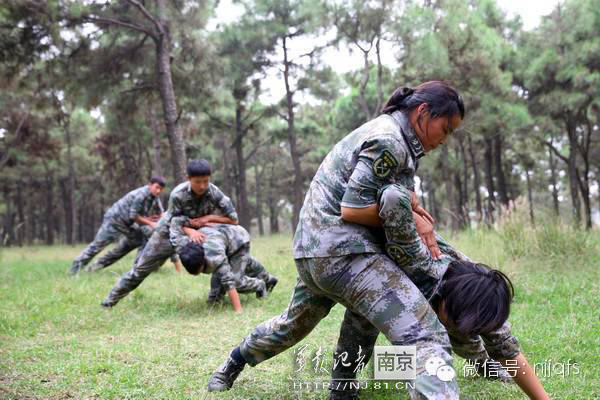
(191, 192)
(414, 144)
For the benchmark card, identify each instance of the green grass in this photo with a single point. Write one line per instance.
(163, 341)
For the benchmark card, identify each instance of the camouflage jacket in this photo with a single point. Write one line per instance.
(184, 202)
(138, 202)
(380, 152)
(221, 242)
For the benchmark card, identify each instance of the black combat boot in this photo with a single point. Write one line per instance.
(262, 292)
(271, 282)
(223, 378)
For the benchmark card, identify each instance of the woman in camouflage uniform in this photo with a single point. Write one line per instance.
(338, 248)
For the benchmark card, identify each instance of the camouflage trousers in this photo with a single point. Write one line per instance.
(378, 297)
(109, 231)
(248, 273)
(125, 245)
(153, 256)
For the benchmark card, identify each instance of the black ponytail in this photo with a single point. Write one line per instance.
(442, 100)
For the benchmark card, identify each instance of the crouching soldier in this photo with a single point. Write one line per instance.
(224, 252)
(134, 207)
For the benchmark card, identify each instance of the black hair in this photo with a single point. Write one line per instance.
(158, 179)
(442, 100)
(476, 298)
(192, 257)
(198, 168)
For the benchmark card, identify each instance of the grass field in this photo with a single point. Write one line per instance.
(163, 341)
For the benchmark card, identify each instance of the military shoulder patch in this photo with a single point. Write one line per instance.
(397, 254)
(383, 165)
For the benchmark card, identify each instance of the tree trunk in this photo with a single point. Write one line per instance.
(21, 216)
(572, 170)
(49, 217)
(225, 156)
(489, 179)
(156, 144)
(272, 202)
(380, 98)
(529, 196)
(242, 194)
(259, 200)
(167, 95)
(70, 188)
(362, 100)
(553, 181)
(500, 176)
(8, 236)
(449, 184)
(297, 190)
(476, 179)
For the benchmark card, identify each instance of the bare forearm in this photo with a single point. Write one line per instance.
(526, 378)
(234, 298)
(368, 216)
(217, 219)
(145, 221)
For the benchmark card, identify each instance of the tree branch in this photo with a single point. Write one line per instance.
(217, 120)
(147, 14)
(110, 21)
(551, 147)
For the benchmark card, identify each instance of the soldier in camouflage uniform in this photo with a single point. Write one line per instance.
(225, 255)
(339, 261)
(132, 208)
(197, 199)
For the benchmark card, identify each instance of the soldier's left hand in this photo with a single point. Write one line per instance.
(416, 207)
(427, 234)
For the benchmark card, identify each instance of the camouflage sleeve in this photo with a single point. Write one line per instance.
(225, 276)
(403, 243)
(175, 205)
(137, 206)
(501, 344)
(224, 203)
(378, 163)
(176, 234)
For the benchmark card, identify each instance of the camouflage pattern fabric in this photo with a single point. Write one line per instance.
(381, 152)
(117, 221)
(408, 251)
(379, 297)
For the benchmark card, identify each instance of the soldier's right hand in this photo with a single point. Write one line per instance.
(196, 237)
